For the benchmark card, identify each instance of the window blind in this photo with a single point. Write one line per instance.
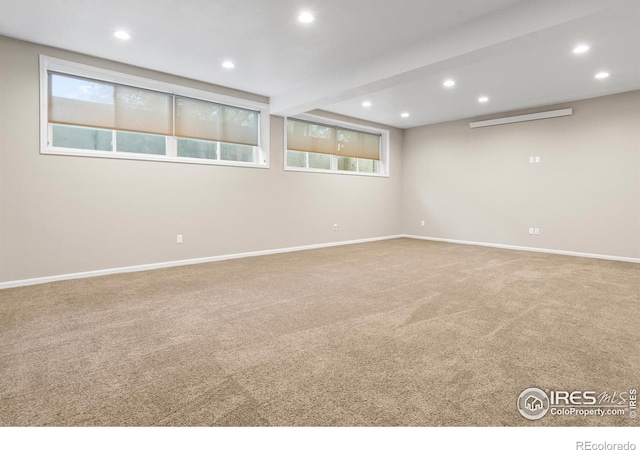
(199, 119)
(358, 144)
(319, 138)
(306, 136)
(99, 104)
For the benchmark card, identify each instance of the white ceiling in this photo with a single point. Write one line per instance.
(393, 53)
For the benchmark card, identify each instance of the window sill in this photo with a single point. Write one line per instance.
(336, 172)
(148, 157)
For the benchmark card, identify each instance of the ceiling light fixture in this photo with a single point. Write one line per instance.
(483, 99)
(449, 83)
(581, 49)
(121, 34)
(366, 104)
(602, 75)
(306, 17)
(228, 65)
(405, 115)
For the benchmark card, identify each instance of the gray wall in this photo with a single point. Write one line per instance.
(478, 184)
(62, 214)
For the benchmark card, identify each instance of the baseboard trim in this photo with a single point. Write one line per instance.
(526, 249)
(184, 262)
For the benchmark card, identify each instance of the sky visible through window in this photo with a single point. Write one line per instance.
(79, 89)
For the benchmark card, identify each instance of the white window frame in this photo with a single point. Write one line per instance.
(48, 63)
(383, 163)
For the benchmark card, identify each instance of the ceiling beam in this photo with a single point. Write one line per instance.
(432, 53)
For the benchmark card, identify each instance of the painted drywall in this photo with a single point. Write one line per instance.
(478, 185)
(62, 214)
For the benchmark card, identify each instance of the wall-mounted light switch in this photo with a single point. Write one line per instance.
(179, 239)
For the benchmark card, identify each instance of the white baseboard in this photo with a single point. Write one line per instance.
(526, 249)
(184, 262)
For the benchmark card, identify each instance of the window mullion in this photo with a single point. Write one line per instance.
(171, 142)
(337, 147)
(172, 146)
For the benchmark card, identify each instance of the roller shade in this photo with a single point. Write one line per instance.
(311, 137)
(199, 119)
(358, 144)
(99, 104)
(319, 138)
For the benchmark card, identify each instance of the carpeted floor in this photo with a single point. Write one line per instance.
(389, 333)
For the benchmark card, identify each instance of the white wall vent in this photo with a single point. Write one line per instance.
(522, 118)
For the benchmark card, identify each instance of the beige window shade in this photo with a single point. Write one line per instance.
(358, 144)
(318, 138)
(199, 119)
(99, 104)
(311, 137)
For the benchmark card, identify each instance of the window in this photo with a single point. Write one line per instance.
(93, 112)
(320, 145)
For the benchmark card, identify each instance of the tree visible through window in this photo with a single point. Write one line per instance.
(105, 118)
(320, 146)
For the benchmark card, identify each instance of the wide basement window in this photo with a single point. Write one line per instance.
(321, 145)
(89, 111)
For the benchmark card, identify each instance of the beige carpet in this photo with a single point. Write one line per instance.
(399, 332)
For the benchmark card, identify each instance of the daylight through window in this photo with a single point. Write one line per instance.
(86, 115)
(330, 147)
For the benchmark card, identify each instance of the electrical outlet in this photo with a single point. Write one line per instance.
(537, 159)
(179, 239)
(536, 231)
(335, 227)
(532, 159)
(531, 231)
(422, 223)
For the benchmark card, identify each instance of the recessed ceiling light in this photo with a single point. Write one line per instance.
(228, 65)
(121, 34)
(581, 49)
(405, 115)
(366, 104)
(483, 99)
(602, 75)
(449, 83)
(306, 17)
